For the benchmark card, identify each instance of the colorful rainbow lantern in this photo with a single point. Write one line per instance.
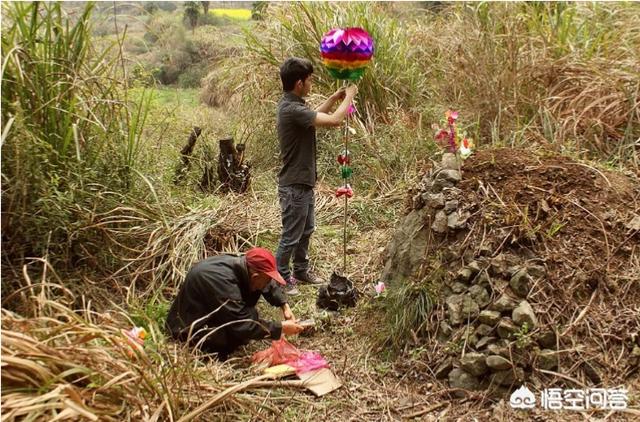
(346, 52)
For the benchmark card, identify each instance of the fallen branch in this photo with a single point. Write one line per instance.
(427, 410)
(580, 316)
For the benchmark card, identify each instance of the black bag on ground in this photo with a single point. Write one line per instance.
(340, 292)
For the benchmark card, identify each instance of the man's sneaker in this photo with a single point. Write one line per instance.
(308, 277)
(291, 288)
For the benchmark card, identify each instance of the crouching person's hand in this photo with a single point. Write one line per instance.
(291, 328)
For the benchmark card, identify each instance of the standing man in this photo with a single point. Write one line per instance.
(215, 307)
(296, 124)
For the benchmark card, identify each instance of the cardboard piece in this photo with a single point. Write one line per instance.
(321, 381)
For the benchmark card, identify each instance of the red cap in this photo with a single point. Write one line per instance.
(262, 261)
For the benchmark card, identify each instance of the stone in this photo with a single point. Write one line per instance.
(546, 359)
(474, 266)
(498, 349)
(446, 291)
(483, 330)
(467, 334)
(505, 303)
(547, 339)
(480, 295)
(457, 287)
(499, 266)
(484, 341)
(508, 377)
(458, 220)
(474, 363)
(449, 175)
(498, 363)
(521, 283)
(433, 200)
(490, 318)
(449, 161)
(440, 222)
(482, 279)
(464, 275)
(459, 378)
(536, 271)
(461, 307)
(524, 314)
(451, 193)
(512, 270)
(445, 331)
(506, 328)
(418, 202)
(633, 224)
(450, 255)
(444, 368)
(407, 249)
(450, 206)
(439, 184)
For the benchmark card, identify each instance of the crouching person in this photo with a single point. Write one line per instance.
(215, 307)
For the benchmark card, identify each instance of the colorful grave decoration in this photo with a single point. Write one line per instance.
(346, 52)
(453, 140)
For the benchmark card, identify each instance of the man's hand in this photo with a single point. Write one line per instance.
(338, 95)
(291, 328)
(351, 91)
(286, 313)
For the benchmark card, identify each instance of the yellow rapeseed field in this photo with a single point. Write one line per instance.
(239, 14)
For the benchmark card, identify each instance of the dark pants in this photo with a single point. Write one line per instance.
(213, 338)
(297, 204)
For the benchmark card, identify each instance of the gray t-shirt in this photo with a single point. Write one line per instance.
(297, 137)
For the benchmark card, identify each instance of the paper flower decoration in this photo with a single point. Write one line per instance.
(344, 190)
(346, 52)
(466, 148)
(134, 341)
(451, 138)
(344, 157)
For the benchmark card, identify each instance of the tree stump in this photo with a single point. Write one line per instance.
(233, 173)
(185, 154)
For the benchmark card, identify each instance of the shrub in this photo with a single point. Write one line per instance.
(192, 76)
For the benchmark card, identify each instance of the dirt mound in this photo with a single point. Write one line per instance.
(579, 219)
(536, 262)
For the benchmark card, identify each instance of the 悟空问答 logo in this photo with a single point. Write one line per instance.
(522, 398)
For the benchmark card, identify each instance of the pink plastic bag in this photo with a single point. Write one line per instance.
(309, 361)
(280, 351)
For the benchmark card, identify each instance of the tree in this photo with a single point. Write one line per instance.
(205, 7)
(191, 13)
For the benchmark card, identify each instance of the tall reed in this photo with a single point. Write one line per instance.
(74, 134)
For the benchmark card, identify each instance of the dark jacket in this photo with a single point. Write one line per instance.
(216, 292)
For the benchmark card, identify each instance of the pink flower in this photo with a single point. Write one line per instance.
(451, 116)
(379, 287)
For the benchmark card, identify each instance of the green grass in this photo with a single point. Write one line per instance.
(169, 96)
